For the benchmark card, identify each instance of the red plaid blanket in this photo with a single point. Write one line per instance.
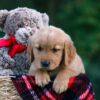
(79, 88)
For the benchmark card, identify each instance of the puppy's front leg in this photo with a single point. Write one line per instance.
(61, 82)
(41, 77)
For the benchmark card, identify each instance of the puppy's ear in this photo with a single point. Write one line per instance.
(69, 52)
(30, 51)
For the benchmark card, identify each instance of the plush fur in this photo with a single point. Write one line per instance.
(53, 45)
(22, 23)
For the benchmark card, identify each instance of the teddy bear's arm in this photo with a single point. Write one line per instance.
(5, 60)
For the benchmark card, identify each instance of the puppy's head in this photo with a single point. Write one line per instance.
(50, 48)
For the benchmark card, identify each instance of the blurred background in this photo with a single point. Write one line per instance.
(81, 20)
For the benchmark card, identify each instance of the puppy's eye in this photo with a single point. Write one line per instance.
(54, 50)
(39, 48)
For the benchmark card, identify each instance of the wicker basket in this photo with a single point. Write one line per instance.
(7, 89)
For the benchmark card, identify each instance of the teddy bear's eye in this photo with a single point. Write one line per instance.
(20, 25)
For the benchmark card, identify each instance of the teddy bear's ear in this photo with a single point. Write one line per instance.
(45, 18)
(3, 16)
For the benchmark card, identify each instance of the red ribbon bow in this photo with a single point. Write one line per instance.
(14, 46)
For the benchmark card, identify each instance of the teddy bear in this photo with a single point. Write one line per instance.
(18, 25)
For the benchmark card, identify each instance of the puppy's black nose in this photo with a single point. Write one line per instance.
(45, 63)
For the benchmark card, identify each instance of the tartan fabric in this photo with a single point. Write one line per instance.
(79, 88)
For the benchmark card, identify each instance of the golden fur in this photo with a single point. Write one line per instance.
(54, 45)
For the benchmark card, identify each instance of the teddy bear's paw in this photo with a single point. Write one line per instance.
(42, 79)
(60, 85)
(22, 35)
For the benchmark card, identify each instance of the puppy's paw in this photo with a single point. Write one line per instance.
(60, 85)
(42, 78)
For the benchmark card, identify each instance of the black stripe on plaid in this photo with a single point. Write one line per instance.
(79, 86)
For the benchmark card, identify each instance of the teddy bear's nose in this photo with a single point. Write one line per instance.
(45, 63)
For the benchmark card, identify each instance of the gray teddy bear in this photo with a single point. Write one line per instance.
(18, 24)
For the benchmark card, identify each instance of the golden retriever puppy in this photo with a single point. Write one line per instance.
(52, 53)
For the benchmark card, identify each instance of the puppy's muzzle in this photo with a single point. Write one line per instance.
(45, 64)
